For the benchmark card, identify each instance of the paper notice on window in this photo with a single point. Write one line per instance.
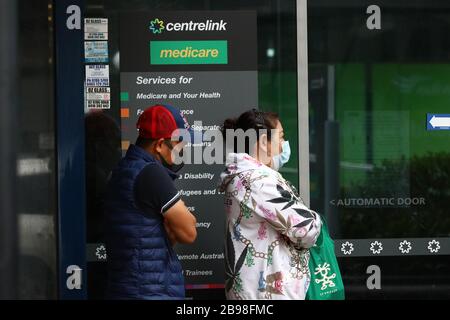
(97, 76)
(98, 104)
(96, 51)
(98, 93)
(95, 29)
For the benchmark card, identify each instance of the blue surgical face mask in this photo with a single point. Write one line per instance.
(281, 159)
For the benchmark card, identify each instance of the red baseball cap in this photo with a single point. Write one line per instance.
(161, 121)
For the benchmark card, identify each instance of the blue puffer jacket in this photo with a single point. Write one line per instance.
(141, 261)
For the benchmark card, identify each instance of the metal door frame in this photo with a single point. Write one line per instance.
(70, 148)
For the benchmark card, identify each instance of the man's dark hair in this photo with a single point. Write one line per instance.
(144, 142)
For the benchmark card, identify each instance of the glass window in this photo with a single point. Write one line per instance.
(376, 171)
(277, 91)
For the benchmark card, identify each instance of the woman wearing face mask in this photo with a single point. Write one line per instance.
(269, 229)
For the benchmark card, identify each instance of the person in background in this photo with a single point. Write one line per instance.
(144, 213)
(269, 228)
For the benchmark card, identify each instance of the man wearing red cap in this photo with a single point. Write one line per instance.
(145, 215)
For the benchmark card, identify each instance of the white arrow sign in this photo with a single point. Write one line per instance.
(440, 121)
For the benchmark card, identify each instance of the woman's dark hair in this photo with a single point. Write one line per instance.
(252, 119)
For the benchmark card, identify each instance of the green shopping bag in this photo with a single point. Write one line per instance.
(326, 281)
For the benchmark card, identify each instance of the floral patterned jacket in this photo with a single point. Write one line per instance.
(269, 231)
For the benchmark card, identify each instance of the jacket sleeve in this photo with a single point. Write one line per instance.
(285, 212)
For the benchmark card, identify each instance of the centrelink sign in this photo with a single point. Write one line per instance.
(156, 41)
(158, 26)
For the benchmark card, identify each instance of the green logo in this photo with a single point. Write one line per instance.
(189, 52)
(156, 26)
